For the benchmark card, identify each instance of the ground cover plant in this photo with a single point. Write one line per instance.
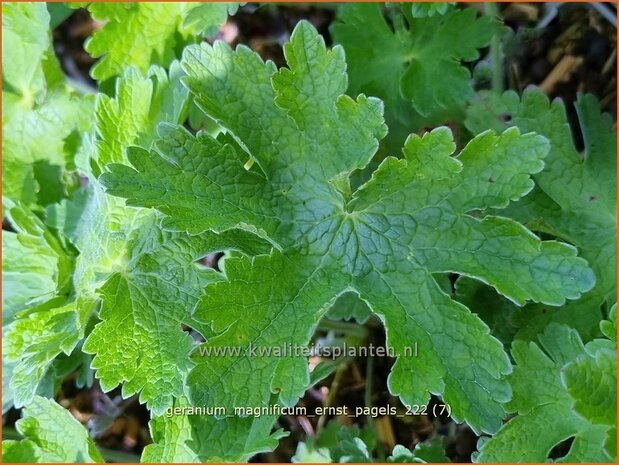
(205, 230)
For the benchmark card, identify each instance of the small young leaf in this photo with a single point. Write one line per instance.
(140, 103)
(51, 434)
(143, 34)
(33, 342)
(416, 65)
(424, 452)
(562, 389)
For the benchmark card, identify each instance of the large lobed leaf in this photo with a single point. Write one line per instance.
(282, 170)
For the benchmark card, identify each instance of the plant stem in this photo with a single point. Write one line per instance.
(339, 372)
(496, 57)
(369, 384)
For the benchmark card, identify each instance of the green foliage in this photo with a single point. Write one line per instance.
(143, 34)
(40, 112)
(575, 197)
(189, 439)
(416, 63)
(140, 103)
(111, 203)
(51, 434)
(340, 444)
(422, 10)
(509, 321)
(562, 389)
(384, 247)
(349, 306)
(26, 284)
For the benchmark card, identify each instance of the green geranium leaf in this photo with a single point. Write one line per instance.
(51, 434)
(199, 438)
(575, 197)
(562, 389)
(140, 103)
(416, 65)
(39, 111)
(281, 170)
(46, 273)
(423, 10)
(143, 34)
